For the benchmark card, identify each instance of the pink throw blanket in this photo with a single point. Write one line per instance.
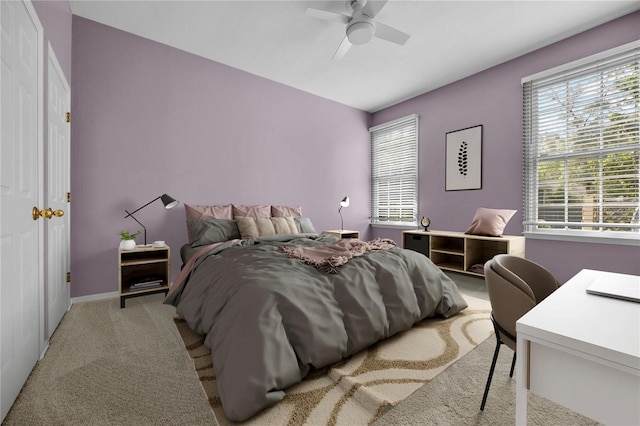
(330, 257)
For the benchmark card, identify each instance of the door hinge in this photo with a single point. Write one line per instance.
(68, 117)
(68, 277)
(68, 197)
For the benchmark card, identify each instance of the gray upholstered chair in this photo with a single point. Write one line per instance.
(515, 286)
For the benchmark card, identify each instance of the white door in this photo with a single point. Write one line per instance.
(58, 183)
(21, 247)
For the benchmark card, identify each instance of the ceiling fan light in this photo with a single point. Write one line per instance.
(360, 32)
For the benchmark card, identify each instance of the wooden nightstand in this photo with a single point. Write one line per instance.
(343, 233)
(143, 271)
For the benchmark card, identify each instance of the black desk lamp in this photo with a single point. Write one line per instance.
(343, 203)
(168, 202)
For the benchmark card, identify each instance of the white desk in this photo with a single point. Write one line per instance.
(583, 352)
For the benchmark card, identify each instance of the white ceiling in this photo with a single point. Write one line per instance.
(449, 40)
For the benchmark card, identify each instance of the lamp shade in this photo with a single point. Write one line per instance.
(168, 201)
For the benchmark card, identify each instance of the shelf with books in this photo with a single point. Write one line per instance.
(143, 271)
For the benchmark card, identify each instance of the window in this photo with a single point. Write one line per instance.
(394, 172)
(581, 149)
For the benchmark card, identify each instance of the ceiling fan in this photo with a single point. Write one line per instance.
(361, 27)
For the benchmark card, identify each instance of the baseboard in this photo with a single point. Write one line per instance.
(44, 351)
(92, 297)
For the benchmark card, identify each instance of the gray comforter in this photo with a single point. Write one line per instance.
(269, 319)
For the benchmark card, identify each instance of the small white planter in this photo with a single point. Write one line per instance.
(128, 244)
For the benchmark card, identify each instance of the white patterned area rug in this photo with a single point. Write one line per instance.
(358, 390)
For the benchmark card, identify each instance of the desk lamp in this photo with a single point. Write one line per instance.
(343, 203)
(168, 202)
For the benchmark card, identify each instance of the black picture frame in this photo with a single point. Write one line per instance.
(463, 159)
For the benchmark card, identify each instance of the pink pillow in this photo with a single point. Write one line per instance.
(490, 222)
(202, 212)
(284, 211)
(252, 211)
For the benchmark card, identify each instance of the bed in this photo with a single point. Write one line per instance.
(258, 283)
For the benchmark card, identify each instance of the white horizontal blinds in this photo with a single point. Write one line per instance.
(394, 172)
(582, 145)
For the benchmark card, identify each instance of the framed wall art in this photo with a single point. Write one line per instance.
(463, 159)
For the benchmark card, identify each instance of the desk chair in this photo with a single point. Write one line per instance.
(515, 285)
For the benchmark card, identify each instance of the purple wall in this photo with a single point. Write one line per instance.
(150, 119)
(493, 98)
(55, 17)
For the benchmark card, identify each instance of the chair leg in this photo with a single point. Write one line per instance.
(513, 364)
(493, 366)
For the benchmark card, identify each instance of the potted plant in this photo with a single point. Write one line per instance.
(128, 240)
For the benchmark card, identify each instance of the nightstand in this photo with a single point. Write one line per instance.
(343, 233)
(142, 271)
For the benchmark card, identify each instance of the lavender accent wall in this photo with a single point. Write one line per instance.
(55, 17)
(150, 119)
(493, 98)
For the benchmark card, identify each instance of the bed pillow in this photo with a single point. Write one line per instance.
(490, 222)
(252, 227)
(284, 225)
(200, 212)
(285, 211)
(304, 225)
(265, 226)
(251, 211)
(210, 230)
(247, 227)
(194, 212)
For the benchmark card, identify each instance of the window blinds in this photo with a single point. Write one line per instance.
(581, 146)
(394, 172)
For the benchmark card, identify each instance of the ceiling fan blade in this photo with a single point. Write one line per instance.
(327, 16)
(388, 33)
(372, 7)
(342, 49)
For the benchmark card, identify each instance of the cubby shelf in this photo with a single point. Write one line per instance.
(457, 251)
(142, 264)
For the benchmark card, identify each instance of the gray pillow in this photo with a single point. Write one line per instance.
(304, 225)
(210, 230)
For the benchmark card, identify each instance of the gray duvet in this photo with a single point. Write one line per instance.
(269, 319)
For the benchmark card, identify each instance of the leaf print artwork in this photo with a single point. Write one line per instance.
(463, 159)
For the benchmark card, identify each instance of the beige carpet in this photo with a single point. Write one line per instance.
(358, 390)
(112, 366)
(454, 397)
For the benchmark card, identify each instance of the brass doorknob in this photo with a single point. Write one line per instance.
(46, 213)
(36, 213)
